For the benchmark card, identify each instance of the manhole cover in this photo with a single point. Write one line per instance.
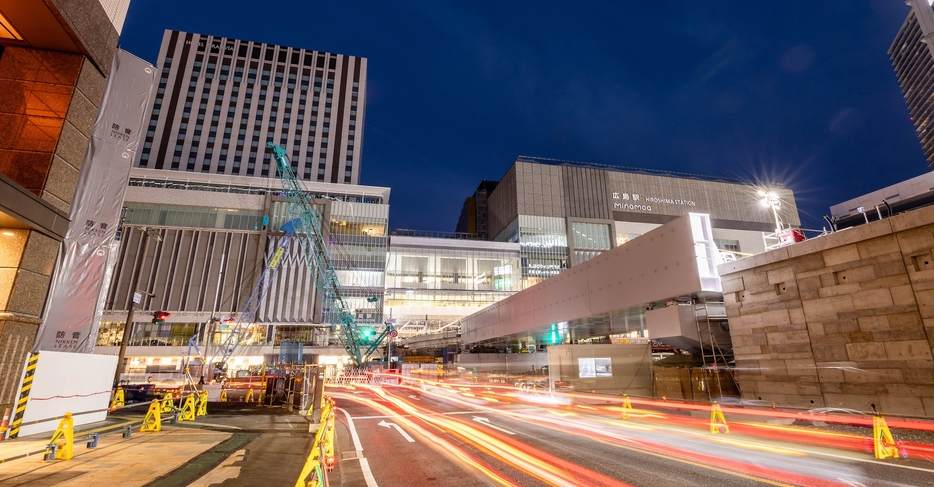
(350, 455)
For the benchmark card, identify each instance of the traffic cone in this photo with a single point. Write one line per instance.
(5, 423)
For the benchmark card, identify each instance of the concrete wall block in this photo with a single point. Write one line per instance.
(801, 367)
(841, 327)
(829, 291)
(796, 315)
(928, 405)
(906, 320)
(780, 275)
(857, 376)
(865, 351)
(903, 296)
(909, 406)
(828, 373)
(778, 338)
(807, 263)
(754, 280)
(827, 309)
(776, 318)
(878, 246)
(919, 375)
(866, 388)
(828, 279)
(915, 241)
(808, 390)
(876, 298)
(873, 323)
(830, 353)
(908, 350)
(731, 285)
(790, 388)
(791, 350)
(861, 337)
(885, 282)
(832, 387)
(807, 284)
(816, 329)
(841, 255)
(835, 339)
(859, 402)
(925, 300)
(901, 334)
(745, 322)
(855, 273)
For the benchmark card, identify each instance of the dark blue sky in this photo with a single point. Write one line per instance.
(798, 92)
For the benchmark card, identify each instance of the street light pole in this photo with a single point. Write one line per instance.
(128, 326)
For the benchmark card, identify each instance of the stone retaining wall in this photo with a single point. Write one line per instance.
(844, 320)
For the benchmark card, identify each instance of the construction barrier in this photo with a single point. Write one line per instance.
(117, 401)
(203, 404)
(223, 397)
(717, 420)
(24, 395)
(62, 444)
(249, 395)
(188, 409)
(627, 407)
(321, 459)
(153, 420)
(882, 441)
(168, 403)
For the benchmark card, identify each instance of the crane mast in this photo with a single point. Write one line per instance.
(308, 227)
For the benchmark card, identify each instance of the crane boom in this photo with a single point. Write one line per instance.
(239, 328)
(311, 239)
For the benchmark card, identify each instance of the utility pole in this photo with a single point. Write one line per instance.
(128, 326)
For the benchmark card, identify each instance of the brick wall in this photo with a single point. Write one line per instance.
(845, 320)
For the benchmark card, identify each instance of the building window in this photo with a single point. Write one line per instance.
(727, 245)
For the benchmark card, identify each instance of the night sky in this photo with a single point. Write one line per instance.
(800, 93)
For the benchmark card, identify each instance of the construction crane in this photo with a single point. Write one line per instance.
(337, 313)
(239, 327)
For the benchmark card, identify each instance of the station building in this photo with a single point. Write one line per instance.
(564, 213)
(217, 233)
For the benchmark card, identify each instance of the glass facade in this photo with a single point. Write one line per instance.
(192, 216)
(358, 243)
(544, 246)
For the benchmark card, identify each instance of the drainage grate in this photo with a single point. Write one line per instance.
(350, 455)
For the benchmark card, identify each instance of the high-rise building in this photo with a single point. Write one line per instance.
(912, 55)
(55, 59)
(220, 100)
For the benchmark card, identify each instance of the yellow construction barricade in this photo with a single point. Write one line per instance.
(203, 404)
(627, 407)
(223, 395)
(117, 400)
(62, 444)
(188, 409)
(249, 395)
(153, 420)
(717, 420)
(883, 445)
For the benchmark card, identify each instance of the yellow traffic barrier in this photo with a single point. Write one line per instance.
(717, 421)
(168, 403)
(188, 409)
(627, 407)
(321, 449)
(153, 420)
(882, 441)
(203, 404)
(118, 399)
(223, 395)
(62, 444)
(249, 395)
(262, 396)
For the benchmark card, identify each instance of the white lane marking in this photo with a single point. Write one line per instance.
(486, 422)
(364, 464)
(398, 428)
(410, 416)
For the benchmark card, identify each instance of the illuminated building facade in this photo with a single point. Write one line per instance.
(219, 100)
(912, 55)
(55, 58)
(564, 213)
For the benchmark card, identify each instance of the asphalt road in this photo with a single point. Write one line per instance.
(443, 436)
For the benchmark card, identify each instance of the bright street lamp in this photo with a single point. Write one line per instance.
(771, 200)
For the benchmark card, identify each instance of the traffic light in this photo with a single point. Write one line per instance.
(159, 317)
(367, 334)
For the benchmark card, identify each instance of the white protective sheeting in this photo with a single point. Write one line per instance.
(75, 383)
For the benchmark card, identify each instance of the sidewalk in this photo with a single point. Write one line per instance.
(133, 461)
